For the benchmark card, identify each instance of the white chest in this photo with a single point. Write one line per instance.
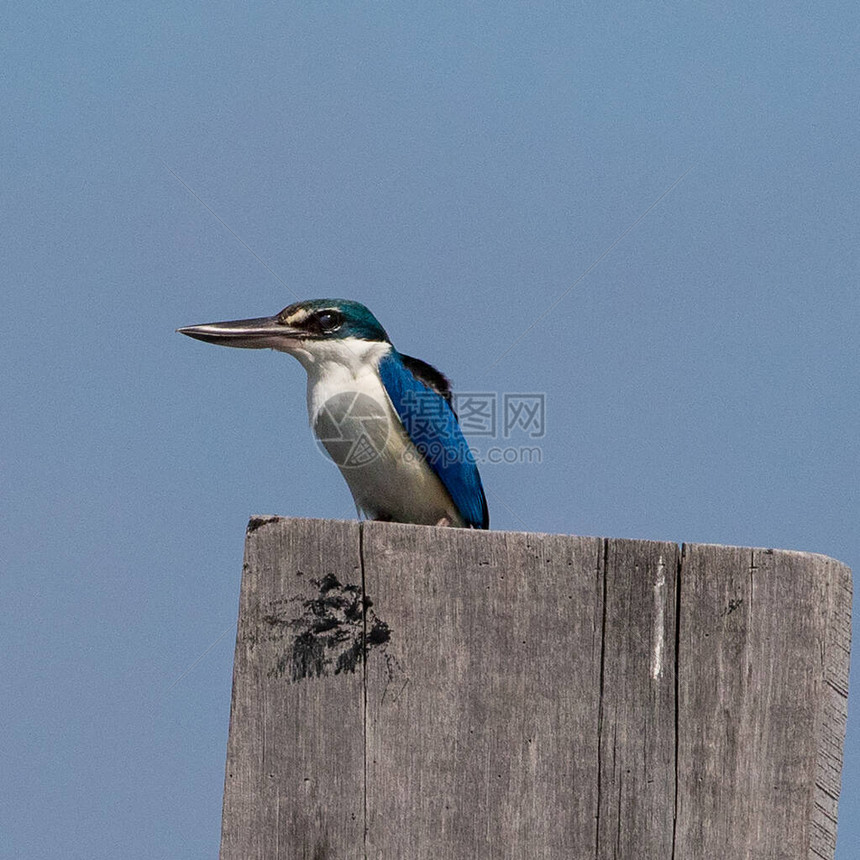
(352, 416)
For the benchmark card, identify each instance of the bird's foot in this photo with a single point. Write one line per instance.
(445, 521)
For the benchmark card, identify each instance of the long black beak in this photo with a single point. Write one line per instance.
(260, 333)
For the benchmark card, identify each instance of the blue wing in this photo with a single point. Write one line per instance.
(432, 426)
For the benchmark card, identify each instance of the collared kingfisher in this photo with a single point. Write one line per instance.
(385, 418)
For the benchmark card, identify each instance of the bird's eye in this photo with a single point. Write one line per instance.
(329, 320)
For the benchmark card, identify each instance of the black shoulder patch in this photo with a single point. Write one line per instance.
(431, 377)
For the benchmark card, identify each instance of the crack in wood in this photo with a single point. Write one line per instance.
(679, 571)
(363, 687)
(604, 564)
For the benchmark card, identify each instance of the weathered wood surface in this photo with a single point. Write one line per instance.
(409, 692)
(763, 684)
(493, 697)
(295, 757)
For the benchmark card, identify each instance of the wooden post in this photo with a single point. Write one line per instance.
(403, 692)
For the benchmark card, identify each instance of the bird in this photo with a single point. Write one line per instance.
(386, 419)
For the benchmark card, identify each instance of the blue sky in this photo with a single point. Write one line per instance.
(457, 168)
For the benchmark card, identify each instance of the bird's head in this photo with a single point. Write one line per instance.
(307, 329)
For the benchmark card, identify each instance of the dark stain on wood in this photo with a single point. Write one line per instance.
(256, 522)
(733, 604)
(335, 631)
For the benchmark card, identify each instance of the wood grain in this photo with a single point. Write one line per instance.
(483, 731)
(832, 714)
(410, 692)
(759, 665)
(637, 735)
(295, 758)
